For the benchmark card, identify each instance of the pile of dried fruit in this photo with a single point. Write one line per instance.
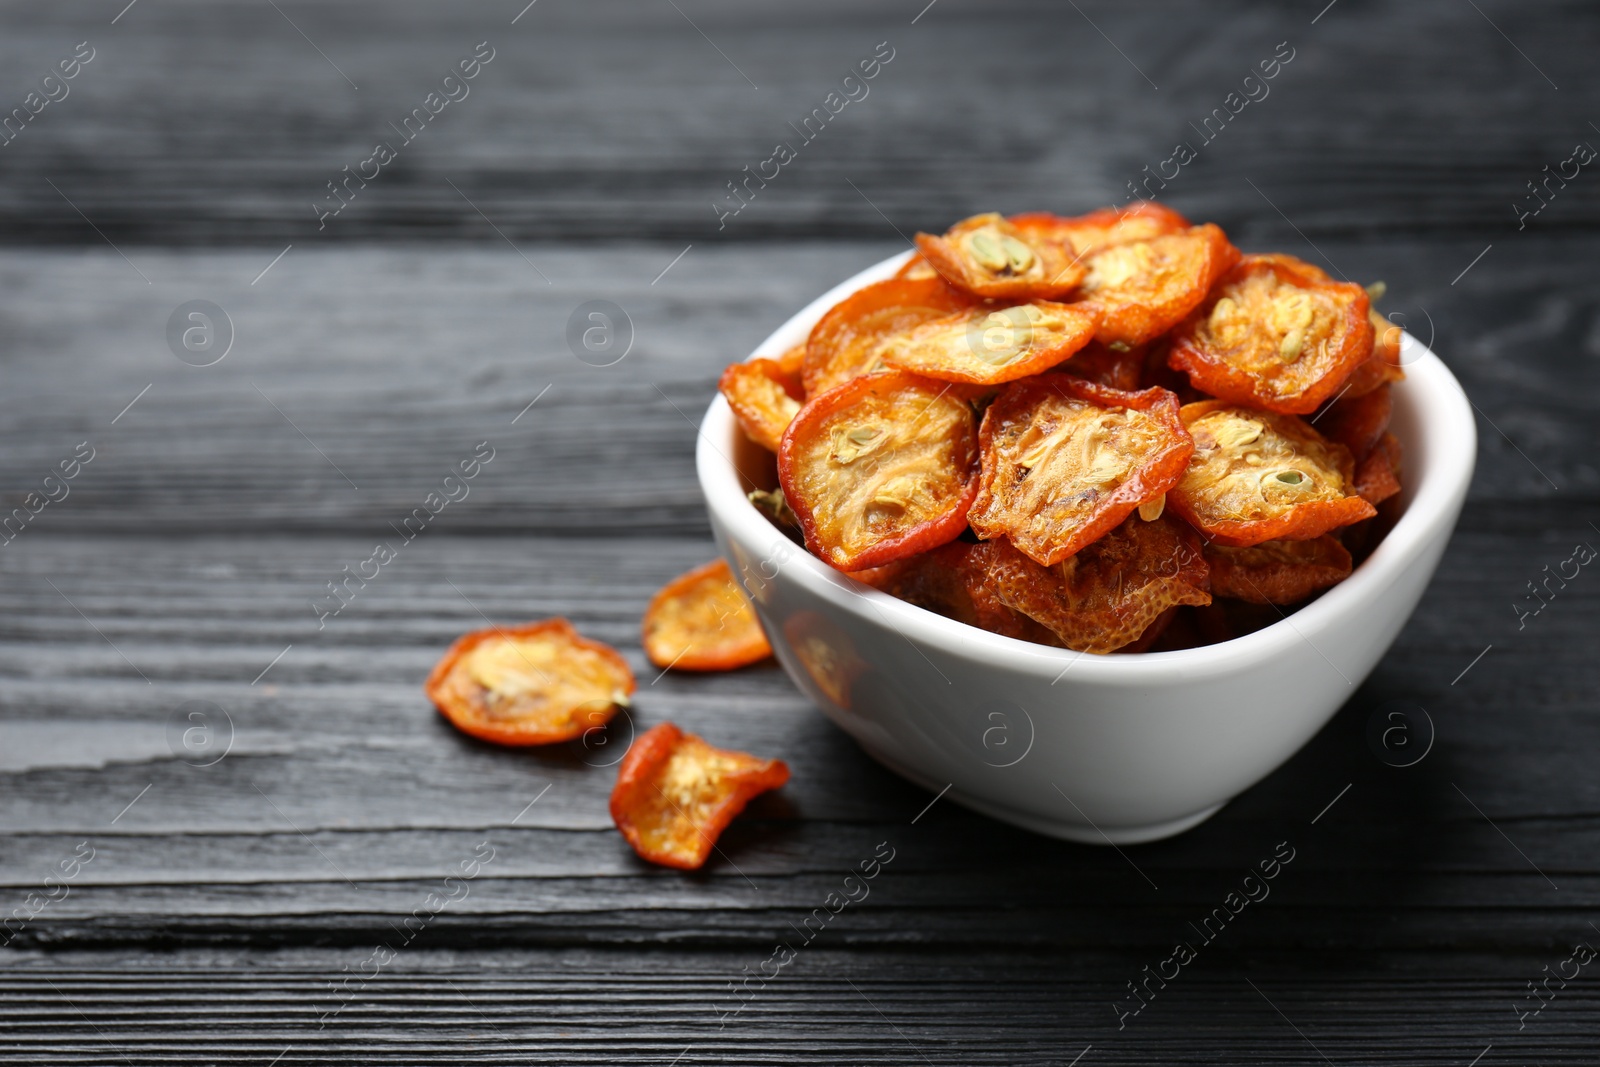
(1110, 432)
(1065, 430)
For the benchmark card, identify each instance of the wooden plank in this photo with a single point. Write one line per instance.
(827, 1007)
(344, 796)
(621, 121)
(394, 365)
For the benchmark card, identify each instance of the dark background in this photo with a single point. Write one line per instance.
(222, 900)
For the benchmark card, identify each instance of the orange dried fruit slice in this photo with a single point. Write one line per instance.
(1357, 422)
(763, 398)
(1110, 593)
(990, 345)
(1276, 333)
(1120, 368)
(1278, 572)
(949, 581)
(880, 468)
(1066, 460)
(1261, 476)
(702, 621)
(1382, 367)
(844, 343)
(675, 794)
(535, 684)
(990, 258)
(916, 267)
(792, 363)
(1142, 289)
(1088, 234)
(1378, 477)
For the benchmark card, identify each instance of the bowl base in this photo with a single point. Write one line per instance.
(1067, 830)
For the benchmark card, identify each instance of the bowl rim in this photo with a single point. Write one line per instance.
(1442, 417)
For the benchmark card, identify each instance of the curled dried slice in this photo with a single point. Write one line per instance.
(1120, 368)
(990, 258)
(1278, 572)
(949, 581)
(988, 346)
(880, 468)
(1357, 422)
(1065, 461)
(1276, 333)
(529, 685)
(1383, 366)
(675, 794)
(763, 398)
(792, 363)
(916, 267)
(1260, 476)
(1087, 234)
(1111, 592)
(844, 343)
(1378, 476)
(1144, 288)
(702, 621)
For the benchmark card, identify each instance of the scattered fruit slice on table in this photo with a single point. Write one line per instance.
(1259, 476)
(1278, 572)
(990, 345)
(535, 684)
(702, 621)
(1107, 595)
(1276, 333)
(763, 397)
(1066, 460)
(1142, 289)
(880, 468)
(989, 257)
(675, 794)
(844, 343)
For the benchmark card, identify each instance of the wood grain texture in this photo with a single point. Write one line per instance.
(205, 123)
(181, 572)
(828, 1007)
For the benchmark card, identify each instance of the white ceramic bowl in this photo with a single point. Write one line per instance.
(1099, 749)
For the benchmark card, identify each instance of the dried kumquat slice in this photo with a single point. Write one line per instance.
(763, 398)
(1378, 477)
(1066, 460)
(1111, 592)
(702, 621)
(1383, 366)
(949, 581)
(1357, 422)
(880, 468)
(1120, 368)
(990, 346)
(1085, 235)
(529, 685)
(1278, 572)
(1144, 288)
(1275, 335)
(844, 343)
(917, 268)
(990, 258)
(792, 364)
(675, 794)
(1260, 476)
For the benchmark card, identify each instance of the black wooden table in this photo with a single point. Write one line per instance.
(220, 801)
